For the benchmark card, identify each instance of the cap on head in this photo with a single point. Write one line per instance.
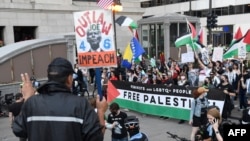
(131, 121)
(18, 96)
(202, 90)
(60, 67)
(199, 91)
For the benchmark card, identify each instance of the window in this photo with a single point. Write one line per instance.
(1, 36)
(22, 33)
(152, 39)
(86, 0)
(145, 38)
(173, 34)
(160, 38)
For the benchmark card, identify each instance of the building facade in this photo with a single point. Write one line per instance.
(33, 19)
(231, 15)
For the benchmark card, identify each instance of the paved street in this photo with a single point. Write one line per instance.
(153, 126)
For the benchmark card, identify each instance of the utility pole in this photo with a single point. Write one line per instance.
(190, 8)
(210, 28)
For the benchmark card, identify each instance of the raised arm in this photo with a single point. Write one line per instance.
(199, 61)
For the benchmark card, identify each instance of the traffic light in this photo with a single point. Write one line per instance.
(209, 20)
(214, 20)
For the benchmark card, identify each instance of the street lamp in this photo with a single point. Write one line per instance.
(116, 7)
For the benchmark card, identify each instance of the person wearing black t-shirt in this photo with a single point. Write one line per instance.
(15, 108)
(116, 119)
(229, 92)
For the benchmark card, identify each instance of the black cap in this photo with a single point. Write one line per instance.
(18, 96)
(130, 119)
(60, 67)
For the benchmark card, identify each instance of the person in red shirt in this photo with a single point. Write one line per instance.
(175, 69)
(113, 76)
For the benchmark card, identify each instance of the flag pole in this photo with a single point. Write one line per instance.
(98, 82)
(179, 54)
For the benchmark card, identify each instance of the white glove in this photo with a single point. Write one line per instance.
(76, 83)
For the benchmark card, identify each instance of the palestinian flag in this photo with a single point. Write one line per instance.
(237, 36)
(247, 41)
(196, 46)
(191, 28)
(183, 40)
(174, 102)
(200, 36)
(188, 38)
(126, 21)
(112, 92)
(233, 50)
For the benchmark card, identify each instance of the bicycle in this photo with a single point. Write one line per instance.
(176, 137)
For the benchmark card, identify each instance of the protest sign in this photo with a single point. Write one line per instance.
(95, 38)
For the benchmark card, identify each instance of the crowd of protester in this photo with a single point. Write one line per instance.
(232, 76)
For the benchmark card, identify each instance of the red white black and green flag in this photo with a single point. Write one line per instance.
(236, 37)
(242, 42)
(126, 21)
(190, 39)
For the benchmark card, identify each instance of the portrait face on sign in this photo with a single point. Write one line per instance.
(94, 38)
(204, 57)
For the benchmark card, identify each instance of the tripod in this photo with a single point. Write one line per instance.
(176, 137)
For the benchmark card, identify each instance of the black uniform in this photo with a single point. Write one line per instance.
(55, 114)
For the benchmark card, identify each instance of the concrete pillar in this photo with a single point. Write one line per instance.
(71, 48)
(167, 40)
(9, 35)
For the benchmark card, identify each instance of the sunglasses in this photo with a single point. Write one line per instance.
(134, 124)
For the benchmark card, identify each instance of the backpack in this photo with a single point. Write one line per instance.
(202, 133)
